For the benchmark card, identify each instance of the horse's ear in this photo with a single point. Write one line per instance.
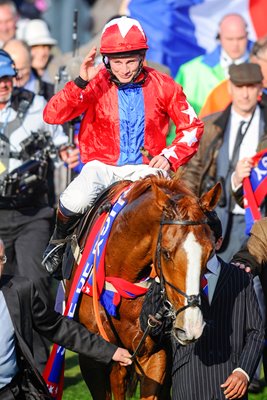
(209, 200)
(161, 197)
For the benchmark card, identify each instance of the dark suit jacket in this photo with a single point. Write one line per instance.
(28, 312)
(233, 337)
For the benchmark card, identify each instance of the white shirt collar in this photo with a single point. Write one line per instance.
(238, 118)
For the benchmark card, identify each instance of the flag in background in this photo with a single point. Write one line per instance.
(255, 189)
(179, 30)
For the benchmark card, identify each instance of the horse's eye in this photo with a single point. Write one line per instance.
(166, 254)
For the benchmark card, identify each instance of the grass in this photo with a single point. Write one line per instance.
(75, 388)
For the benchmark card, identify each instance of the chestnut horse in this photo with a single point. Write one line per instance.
(163, 225)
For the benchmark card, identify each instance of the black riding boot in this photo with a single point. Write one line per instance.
(52, 257)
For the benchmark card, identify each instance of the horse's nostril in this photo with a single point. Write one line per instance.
(180, 330)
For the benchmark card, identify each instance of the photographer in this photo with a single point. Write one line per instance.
(27, 145)
(235, 133)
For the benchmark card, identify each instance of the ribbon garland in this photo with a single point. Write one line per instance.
(95, 244)
(255, 189)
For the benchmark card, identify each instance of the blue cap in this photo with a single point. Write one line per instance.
(6, 65)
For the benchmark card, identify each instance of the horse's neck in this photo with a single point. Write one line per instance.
(130, 249)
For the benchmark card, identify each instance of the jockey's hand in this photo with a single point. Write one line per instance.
(242, 170)
(122, 356)
(241, 266)
(235, 385)
(160, 162)
(70, 155)
(88, 70)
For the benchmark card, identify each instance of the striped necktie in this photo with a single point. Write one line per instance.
(204, 285)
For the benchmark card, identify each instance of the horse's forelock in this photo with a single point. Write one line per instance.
(189, 208)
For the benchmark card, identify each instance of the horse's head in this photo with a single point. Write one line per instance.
(185, 242)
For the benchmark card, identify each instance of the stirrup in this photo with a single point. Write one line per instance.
(47, 261)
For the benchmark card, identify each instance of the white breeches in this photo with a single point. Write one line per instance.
(95, 177)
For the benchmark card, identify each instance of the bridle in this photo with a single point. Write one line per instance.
(193, 300)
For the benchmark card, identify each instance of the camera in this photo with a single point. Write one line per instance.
(40, 141)
(30, 176)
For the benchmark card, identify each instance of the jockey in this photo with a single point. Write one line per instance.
(126, 106)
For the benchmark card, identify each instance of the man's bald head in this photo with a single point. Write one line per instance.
(21, 55)
(233, 35)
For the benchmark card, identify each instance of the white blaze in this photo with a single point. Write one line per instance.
(193, 320)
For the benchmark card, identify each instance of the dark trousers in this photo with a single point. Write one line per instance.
(26, 233)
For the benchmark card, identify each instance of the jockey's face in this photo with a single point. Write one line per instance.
(125, 68)
(245, 97)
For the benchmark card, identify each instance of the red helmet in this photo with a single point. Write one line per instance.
(123, 35)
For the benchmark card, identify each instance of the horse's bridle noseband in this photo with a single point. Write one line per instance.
(193, 300)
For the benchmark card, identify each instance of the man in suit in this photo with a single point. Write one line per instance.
(229, 136)
(21, 311)
(253, 258)
(223, 361)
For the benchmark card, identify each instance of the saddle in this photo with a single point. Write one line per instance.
(75, 245)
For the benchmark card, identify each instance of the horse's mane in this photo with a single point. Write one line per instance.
(171, 187)
(175, 188)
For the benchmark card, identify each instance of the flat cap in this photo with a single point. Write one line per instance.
(245, 74)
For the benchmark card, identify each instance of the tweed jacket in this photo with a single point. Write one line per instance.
(254, 253)
(232, 338)
(28, 312)
(200, 171)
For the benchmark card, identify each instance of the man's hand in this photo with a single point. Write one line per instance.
(70, 155)
(122, 356)
(241, 266)
(235, 385)
(88, 70)
(160, 162)
(242, 170)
